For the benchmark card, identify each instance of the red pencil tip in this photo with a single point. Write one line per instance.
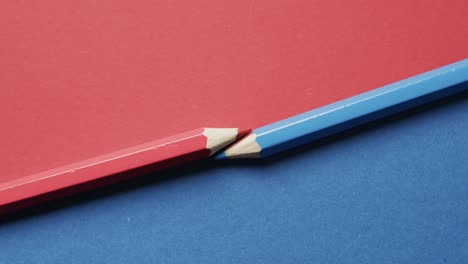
(243, 132)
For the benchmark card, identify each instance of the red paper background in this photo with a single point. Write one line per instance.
(81, 78)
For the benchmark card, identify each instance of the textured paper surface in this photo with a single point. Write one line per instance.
(82, 78)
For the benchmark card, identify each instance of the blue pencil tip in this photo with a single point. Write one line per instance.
(220, 156)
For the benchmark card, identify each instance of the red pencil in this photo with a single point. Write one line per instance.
(115, 166)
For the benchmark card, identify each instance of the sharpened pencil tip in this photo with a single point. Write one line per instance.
(247, 147)
(218, 138)
(243, 132)
(220, 156)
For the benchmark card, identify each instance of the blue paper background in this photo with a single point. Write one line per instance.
(395, 191)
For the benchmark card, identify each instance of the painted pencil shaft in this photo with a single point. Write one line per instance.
(118, 165)
(354, 111)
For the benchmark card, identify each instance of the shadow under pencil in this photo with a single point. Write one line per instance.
(106, 190)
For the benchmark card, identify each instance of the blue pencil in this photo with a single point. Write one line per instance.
(351, 112)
